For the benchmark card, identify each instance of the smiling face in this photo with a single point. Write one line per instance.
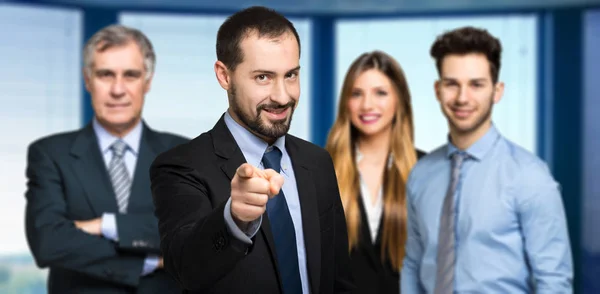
(117, 84)
(466, 94)
(264, 89)
(372, 103)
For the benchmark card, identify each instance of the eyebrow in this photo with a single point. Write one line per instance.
(471, 80)
(113, 71)
(380, 87)
(377, 87)
(262, 71)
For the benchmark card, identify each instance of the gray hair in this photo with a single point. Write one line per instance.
(118, 35)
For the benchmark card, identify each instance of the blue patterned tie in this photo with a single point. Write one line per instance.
(446, 260)
(119, 175)
(283, 230)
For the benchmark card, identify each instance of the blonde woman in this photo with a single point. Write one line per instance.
(371, 143)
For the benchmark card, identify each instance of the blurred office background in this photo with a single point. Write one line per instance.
(550, 64)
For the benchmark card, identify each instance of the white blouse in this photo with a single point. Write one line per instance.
(373, 210)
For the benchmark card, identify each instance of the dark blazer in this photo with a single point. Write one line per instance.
(67, 181)
(191, 185)
(371, 274)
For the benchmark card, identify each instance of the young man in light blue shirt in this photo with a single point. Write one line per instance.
(484, 215)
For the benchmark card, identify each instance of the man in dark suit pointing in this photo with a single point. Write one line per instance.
(89, 214)
(246, 207)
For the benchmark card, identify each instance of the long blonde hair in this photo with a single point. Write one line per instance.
(341, 142)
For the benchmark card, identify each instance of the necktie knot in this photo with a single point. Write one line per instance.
(118, 148)
(272, 158)
(458, 158)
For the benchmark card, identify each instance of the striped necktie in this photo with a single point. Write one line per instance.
(119, 176)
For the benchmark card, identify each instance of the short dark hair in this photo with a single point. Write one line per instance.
(468, 40)
(267, 22)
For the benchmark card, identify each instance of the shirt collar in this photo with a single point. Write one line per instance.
(480, 148)
(359, 156)
(252, 146)
(106, 139)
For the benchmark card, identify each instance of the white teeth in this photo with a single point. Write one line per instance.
(369, 117)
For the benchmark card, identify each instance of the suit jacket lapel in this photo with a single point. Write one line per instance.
(379, 234)
(88, 165)
(140, 187)
(310, 213)
(367, 245)
(225, 147)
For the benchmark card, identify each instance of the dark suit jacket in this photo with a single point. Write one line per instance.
(191, 185)
(371, 274)
(67, 181)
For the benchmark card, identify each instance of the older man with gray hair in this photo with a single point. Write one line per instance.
(89, 215)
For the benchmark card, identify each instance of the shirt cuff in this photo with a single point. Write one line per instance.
(109, 226)
(246, 235)
(150, 264)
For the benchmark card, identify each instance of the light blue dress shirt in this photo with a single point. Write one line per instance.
(511, 233)
(253, 149)
(132, 139)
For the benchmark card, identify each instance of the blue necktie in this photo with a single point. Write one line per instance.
(282, 227)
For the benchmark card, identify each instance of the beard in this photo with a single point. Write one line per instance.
(479, 121)
(268, 129)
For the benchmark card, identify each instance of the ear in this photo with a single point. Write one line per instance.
(222, 74)
(498, 91)
(436, 87)
(86, 79)
(148, 84)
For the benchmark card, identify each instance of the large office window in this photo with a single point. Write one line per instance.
(185, 97)
(409, 41)
(41, 95)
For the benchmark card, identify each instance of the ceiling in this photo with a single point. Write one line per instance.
(338, 7)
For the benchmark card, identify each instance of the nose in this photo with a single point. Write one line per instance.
(366, 102)
(117, 88)
(280, 93)
(462, 95)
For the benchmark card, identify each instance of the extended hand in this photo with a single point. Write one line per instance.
(251, 188)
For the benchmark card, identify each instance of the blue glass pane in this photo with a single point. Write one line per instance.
(591, 162)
